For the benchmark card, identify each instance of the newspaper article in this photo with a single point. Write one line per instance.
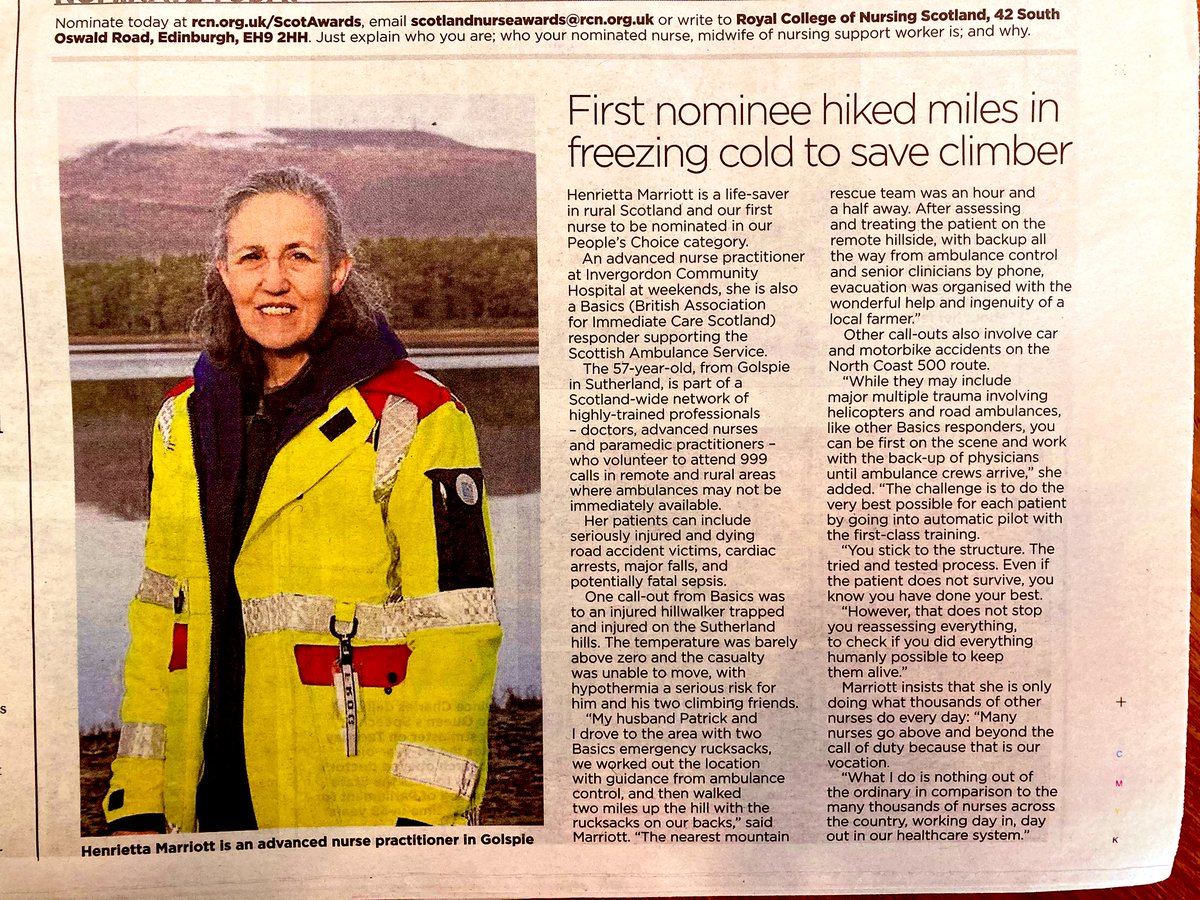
(527, 449)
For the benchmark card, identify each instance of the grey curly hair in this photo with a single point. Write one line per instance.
(356, 309)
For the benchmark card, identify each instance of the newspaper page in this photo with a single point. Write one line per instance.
(773, 477)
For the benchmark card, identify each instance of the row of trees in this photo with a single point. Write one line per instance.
(444, 282)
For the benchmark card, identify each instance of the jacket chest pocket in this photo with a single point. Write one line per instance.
(378, 666)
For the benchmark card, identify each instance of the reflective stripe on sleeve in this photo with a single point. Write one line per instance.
(436, 768)
(166, 416)
(450, 609)
(397, 426)
(143, 740)
(390, 621)
(158, 589)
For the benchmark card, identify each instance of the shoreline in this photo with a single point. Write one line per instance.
(455, 338)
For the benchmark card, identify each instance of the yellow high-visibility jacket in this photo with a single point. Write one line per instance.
(373, 522)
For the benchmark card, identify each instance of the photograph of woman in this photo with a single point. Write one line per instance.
(314, 639)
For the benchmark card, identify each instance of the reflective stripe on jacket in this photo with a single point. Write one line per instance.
(372, 520)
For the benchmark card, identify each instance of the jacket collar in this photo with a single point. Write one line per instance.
(345, 361)
(216, 414)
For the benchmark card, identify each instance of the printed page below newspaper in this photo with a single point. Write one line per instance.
(698, 447)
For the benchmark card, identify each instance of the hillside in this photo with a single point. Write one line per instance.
(154, 196)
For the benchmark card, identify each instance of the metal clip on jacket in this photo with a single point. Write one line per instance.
(346, 682)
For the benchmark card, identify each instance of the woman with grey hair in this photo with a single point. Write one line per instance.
(314, 639)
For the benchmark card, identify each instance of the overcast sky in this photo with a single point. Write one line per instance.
(484, 121)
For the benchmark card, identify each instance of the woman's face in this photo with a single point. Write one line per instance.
(279, 272)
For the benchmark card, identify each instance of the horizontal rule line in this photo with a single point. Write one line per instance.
(408, 57)
(295, 3)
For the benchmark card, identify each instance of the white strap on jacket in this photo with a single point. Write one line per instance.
(436, 768)
(158, 589)
(390, 621)
(143, 740)
(397, 426)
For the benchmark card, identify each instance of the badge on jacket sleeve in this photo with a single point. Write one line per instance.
(468, 490)
(463, 558)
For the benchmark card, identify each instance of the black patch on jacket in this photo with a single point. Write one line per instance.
(155, 823)
(462, 547)
(116, 800)
(336, 426)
